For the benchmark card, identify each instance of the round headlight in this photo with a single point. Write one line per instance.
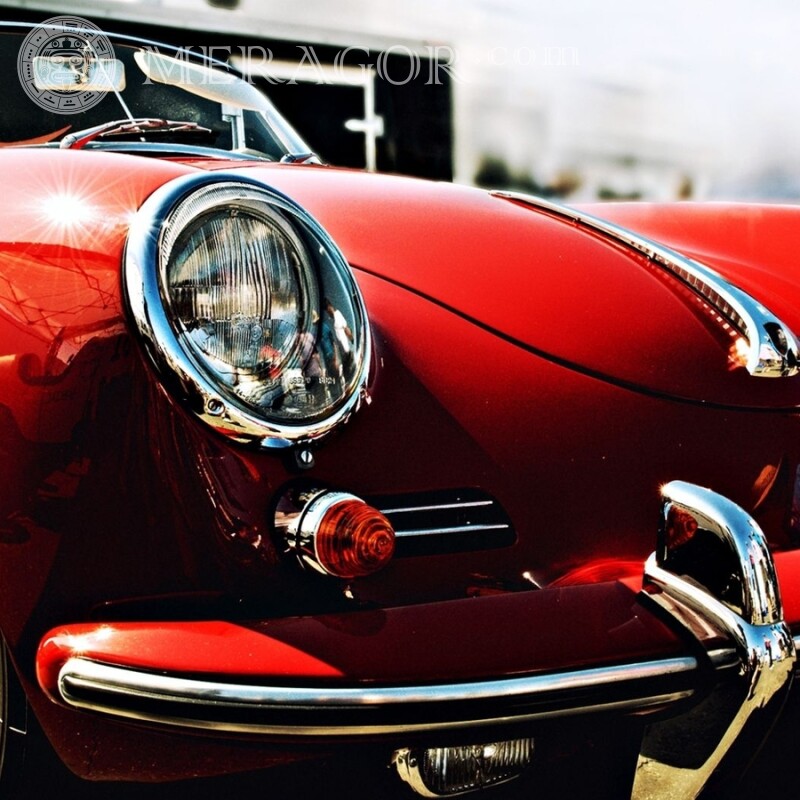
(247, 309)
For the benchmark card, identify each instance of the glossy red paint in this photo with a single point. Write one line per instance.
(787, 565)
(755, 244)
(204, 648)
(588, 303)
(61, 240)
(612, 449)
(489, 413)
(119, 506)
(463, 640)
(602, 570)
(480, 388)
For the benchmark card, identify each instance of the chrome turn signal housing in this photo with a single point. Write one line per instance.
(335, 533)
(449, 771)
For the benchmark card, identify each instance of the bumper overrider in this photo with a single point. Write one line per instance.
(705, 631)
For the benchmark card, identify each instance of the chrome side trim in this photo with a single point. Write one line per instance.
(773, 350)
(435, 507)
(330, 711)
(441, 521)
(445, 531)
(747, 610)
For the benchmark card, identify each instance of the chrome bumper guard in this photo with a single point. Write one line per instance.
(712, 573)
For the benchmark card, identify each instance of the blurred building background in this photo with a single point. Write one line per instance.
(690, 99)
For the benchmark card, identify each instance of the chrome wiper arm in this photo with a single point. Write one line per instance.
(125, 127)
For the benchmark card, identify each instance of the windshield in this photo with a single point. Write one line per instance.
(131, 79)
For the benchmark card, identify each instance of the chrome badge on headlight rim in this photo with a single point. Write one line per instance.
(247, 309)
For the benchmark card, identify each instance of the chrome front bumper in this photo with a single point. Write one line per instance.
(369, 711)
(712, 574)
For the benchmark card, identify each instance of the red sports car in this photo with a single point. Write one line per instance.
(300, 461)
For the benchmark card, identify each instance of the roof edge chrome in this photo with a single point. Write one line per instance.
(773, 350)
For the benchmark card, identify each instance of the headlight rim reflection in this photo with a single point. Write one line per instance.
(153, 237)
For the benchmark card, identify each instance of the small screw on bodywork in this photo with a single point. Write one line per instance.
(304, 459)
(214, 406)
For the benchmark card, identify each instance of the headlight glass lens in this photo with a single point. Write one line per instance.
(235, 286)
(263, 306)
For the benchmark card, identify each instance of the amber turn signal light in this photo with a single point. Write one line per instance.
(337, 534)
(354, 539)
(681, 526)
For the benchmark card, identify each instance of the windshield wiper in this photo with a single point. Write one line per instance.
(140, 127)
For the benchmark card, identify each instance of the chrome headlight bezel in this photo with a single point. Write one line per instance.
(151, 236)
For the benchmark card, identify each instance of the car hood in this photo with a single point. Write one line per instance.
(572, 297)
(569, 295)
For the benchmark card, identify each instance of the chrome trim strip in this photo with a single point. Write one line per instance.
(116, 690)
(158, 685)
(773, 350)
(753, 622)
(455, 529)
(442, 507)
(723, 657)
